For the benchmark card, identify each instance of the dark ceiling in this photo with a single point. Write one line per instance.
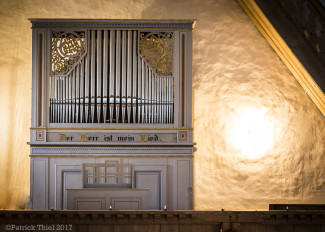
(301, 23)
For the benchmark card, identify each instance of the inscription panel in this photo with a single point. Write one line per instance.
(112, 137)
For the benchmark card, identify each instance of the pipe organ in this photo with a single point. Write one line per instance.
(111, 76)
(111, 93)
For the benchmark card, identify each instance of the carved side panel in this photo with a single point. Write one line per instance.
(157, 49)
(67, 49)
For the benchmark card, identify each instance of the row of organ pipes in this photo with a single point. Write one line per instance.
(112, 83)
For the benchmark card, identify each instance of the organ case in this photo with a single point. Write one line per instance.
(111, 91)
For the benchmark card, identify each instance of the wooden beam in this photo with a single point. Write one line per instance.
(285, 53)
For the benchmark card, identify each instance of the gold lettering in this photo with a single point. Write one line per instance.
(143, 138)
(83, 138)
(62, 137)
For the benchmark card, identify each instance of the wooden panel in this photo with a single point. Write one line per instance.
(40, 80)
(297, 206)
(151, 180)
(82, 228)
(284, 228)
(211, 228)
(100, 228)
(182, 79)
(63, 172)
(119, 199)
(322, 229)
(253, 227)
(183, 182)
(126, 204)
(70, 180)
(106, 228)
(307, 228)
(40, 184)
(123, 228)
(90, 204)
(147, 167)
(156, 221)
(169, 228)
(191, 228)
(146, 228)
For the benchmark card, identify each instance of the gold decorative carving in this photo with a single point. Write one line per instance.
(67, 49)
(157, 50)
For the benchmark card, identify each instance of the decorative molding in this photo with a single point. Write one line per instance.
(39, 135)
(111, 24)
(182, 136)
(82, 151)
(104, 128)
(285, 53)
(115, 144)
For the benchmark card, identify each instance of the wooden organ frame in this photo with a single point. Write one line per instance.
(109, 89)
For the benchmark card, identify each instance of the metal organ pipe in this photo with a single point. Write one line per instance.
(112, 83)
(105, 76)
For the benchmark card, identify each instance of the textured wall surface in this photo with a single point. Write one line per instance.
(237, 80)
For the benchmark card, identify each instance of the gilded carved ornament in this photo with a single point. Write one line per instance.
(157, 49)
(67, 49)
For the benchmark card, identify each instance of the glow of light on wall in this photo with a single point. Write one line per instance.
(251, 133)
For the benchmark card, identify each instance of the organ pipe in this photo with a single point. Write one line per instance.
(112, 83)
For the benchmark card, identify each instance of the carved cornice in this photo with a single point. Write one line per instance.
(111, 24)
(285, 53)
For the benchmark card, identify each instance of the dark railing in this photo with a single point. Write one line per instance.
(159, 221)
